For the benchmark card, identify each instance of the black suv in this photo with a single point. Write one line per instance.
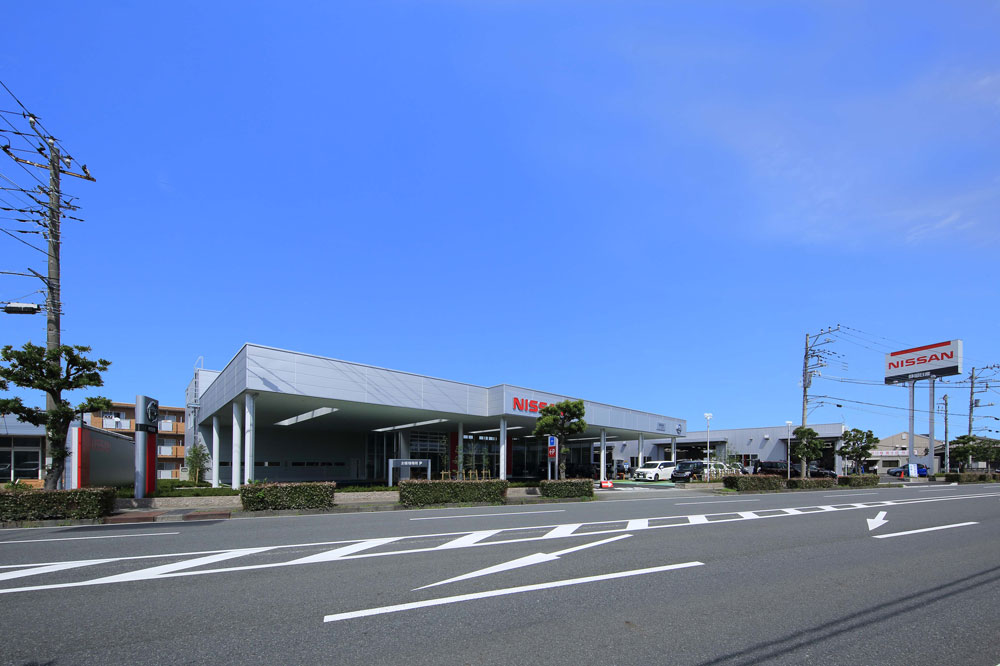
(814, 471)
(776, 467)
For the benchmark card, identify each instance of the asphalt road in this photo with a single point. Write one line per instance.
(650, 577)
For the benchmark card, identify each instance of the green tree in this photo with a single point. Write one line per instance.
(806, 446)
(857, 446)
(972, 447)
(197, 461)
(561, 419)
(52, 371)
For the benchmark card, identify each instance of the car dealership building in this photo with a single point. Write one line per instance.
(288, 416)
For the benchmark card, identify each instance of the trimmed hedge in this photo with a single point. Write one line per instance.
(754, 482)
(81, 504)
(806, 484)
(971, 477)
(284, 496)
(858, 481)
(414, 492)
(567, 488)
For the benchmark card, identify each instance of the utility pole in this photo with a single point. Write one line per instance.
(53, 229)
(812, 360)
(947, 452)
(973, 403)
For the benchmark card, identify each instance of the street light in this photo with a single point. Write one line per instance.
(708, 439)
(788, 449)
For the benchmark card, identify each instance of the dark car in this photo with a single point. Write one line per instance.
(777, 467)
(686, 470)
(904, 471)
(815, 471)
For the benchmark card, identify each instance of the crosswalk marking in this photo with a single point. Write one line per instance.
(363, 548)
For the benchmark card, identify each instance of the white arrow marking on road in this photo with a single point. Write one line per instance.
(526, 561)
(510, 590)
(877, 521)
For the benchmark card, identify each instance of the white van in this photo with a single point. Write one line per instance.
(655, 470)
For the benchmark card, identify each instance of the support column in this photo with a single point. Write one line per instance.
(604, 455)
(460, 451)
(215, 451)
(237, 443)
(404, 444)
(248, 439)
(673, 449)
(503, 447)
(642, 443)
(910, 450)
(930, 431)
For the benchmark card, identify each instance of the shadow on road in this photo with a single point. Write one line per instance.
(829, 630)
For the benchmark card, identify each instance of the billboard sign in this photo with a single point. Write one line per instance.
(937, 360)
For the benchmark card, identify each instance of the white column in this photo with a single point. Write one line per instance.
(642, 443)
(604, 455)
(248, 438)
(460, 451)
(215, 451)
(237, 443)
(503, 447)
(673, 449)
(404, 444)
(930, 432)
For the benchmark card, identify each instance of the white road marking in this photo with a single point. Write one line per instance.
(878, 521)
(154, 572)
(510, 590)
(490, 515)
(926, 529)
(339, 553)
(559, 531)
(471, 539)
(108, 536)
(62, 566)
(536, 558)
(637, 524)
(932, 490)
(468, 540)
(717, 501)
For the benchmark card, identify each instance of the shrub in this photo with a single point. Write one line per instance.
(414, 492)
(858, 481)
(806, 484)
(971, 477)
(282, 496)
(567, 488)
(754, 482)
(81, 504)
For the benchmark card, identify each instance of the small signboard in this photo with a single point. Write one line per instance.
(552, 451)
(911, 470)
(553, 446)
(607, 484)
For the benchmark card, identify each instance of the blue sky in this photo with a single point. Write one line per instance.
(647, 204)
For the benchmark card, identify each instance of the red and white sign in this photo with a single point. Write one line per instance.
(607, 484)
(552, 451)
(938, 360)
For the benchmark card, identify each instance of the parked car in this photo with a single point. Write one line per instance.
(777, 467)
(655, 470)
(905, 471)
(688, 470)
(814, 471)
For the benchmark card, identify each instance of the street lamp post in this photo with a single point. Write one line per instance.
(788, 449)
(708, 440)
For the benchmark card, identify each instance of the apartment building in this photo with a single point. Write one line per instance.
(170, 450)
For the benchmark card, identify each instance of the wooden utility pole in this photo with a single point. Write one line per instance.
(53, 300)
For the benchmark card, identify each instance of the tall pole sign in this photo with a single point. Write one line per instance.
(147, 418)
(927, 362)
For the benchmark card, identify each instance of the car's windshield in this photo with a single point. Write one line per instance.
(649, 465)
(686, 465)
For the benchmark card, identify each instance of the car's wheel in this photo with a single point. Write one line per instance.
(656, 477)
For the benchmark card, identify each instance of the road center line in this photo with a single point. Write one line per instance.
(108, 536)
(336, 617)
(490, 515)
(717, 501)
(926, 529)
